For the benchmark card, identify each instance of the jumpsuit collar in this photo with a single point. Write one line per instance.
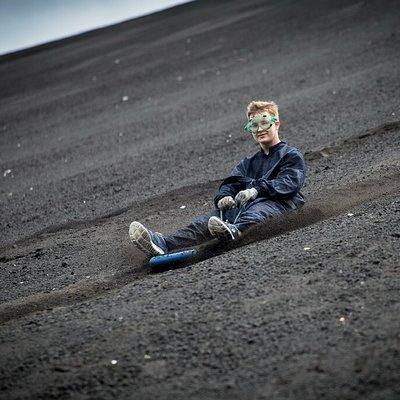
(273, 148)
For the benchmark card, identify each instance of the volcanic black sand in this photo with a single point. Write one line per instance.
(134, 121)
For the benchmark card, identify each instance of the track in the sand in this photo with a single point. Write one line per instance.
(333, 202)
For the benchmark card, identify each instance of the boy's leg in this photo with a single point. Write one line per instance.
(256, 212)
(193, 234)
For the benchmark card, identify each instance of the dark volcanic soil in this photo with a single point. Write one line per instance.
(136, 120)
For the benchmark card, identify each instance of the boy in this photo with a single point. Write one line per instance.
(259, 187)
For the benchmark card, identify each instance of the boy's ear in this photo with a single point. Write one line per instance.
(277, 124)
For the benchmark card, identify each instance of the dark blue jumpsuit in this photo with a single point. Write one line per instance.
(278, 178)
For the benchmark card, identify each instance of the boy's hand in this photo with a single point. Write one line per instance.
(225, 203)
(245, 195)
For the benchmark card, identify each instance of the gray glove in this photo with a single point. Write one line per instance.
(225, 203)
(245, 195)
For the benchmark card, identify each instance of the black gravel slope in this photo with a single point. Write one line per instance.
(135, 120)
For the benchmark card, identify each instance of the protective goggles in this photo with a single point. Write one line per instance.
(263, 121)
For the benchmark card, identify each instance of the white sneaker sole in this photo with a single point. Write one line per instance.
(219, 229)
(141, 238)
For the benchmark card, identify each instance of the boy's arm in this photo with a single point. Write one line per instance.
(233, 184)
(289, 180)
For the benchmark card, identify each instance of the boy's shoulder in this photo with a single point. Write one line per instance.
(293, 149)
(289, 149)
(250, 157)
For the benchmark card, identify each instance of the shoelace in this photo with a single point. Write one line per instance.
(221, 214)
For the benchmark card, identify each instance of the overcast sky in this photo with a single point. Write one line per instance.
(26, 23)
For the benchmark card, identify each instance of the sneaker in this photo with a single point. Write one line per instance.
(147, 241)
(223, 230)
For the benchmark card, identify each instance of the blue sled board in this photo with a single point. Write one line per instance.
(171, 258)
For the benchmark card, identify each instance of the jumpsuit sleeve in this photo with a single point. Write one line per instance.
(288, 181)
(233, 184)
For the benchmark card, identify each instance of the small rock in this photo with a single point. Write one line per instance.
(6, 172)
(324, 154)
(182, 207)
(307, 248)
(59, 368)
(113, 362)
(125, 98)
(350, 214)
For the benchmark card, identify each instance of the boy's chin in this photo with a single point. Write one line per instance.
(264, 142)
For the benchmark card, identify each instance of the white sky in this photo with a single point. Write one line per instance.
(26, 23)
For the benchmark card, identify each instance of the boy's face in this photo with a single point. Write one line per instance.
(267, 137)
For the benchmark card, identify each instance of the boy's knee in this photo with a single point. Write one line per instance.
(255, 217)
(202, 220)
